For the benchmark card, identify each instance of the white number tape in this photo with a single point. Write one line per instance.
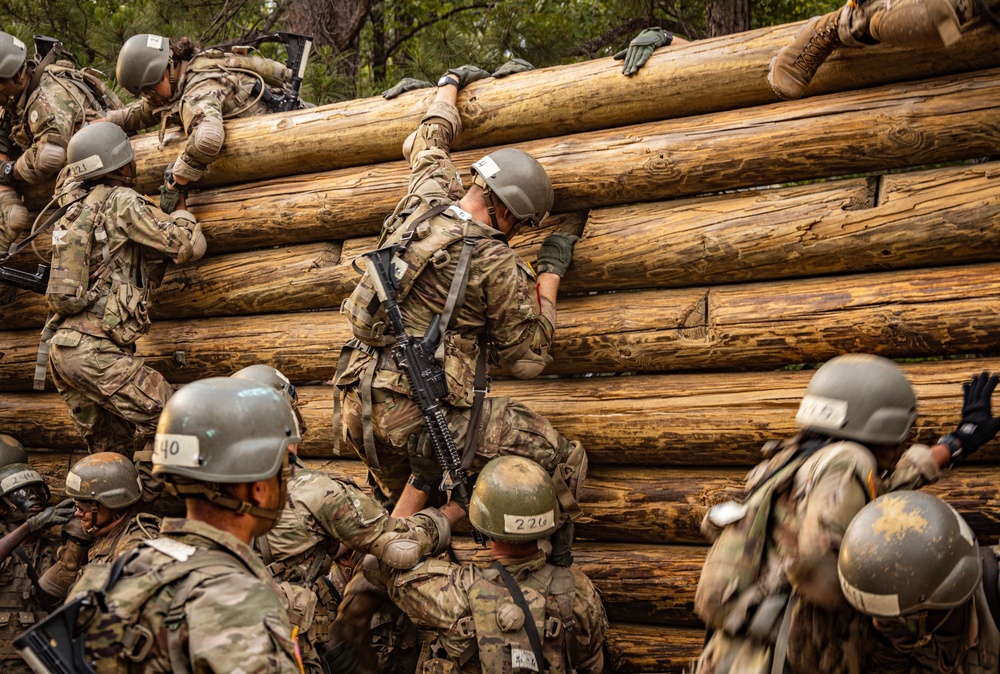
(528, 524)
(176, 450)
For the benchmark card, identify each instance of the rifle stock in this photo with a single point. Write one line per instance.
(36, 283)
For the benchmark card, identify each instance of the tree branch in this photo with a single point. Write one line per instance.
(391, 49)
(592, 46)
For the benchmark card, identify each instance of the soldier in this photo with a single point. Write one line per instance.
(199, 89)
(769, 591)
(492, 307)
(919, 24)
(44, 103)
(106, 490)
(26, 551)
(321, 514)
(109, 255)
(642, 47)
(519, 614)
(198, 599)
(911, 563)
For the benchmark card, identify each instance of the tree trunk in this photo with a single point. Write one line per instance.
(732, 74)
(725, 17)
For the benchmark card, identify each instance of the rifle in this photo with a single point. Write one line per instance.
(298, 47)
(427, 378)
(36, 283)
(55, 646)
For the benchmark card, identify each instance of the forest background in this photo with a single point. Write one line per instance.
(364, 46)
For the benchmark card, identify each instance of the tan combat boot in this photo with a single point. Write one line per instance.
(795, 65)
(916, 23)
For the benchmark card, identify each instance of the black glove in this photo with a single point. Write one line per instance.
(468, 74)
(51, 516)
(562, 545)
(978, 425)
(404, 85)
(171, 192)
(425, 470)
(556, 253)
(339, 658)
(641, 48)
(512, 67)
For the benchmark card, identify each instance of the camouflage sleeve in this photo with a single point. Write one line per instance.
(428, 149)
(836, 496)
(177, 235)
(521, 326)
(591, 622)
(135, 116)
(235, 623)
(201, 111)
(343, 511)
(915, 469)
(52, 117)
(434, 594)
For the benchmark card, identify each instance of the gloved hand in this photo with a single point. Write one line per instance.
(404, 85)
(468, 74)
(511, 67)
(556, 253)
(73, 531)
(170, 192)
(641, 48)
(339, 658)
(978, 425)
(51, 516)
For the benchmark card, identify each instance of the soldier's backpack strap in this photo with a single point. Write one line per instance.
(991, 575)
(563, 588)
(529, 622)
(264, 548)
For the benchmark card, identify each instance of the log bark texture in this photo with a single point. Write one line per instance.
(895, 126)
(718, 419)
(904, 314)
(705, 76)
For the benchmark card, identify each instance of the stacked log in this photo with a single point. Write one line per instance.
(700, 284)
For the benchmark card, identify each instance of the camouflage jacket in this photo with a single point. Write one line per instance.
(20, 607)
(230, 619)
(469, 609)
(501, 291)
(127, 534)
(49, 115)
(140, 238)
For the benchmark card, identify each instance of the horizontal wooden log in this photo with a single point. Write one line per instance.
(718, 419)
(887, 127)
(633, 648)
(920, 313)
(731, 73)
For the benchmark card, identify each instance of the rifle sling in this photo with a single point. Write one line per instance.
(52, 219)
(529, 620)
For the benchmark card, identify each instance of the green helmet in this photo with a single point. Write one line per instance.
(859, 397)
(265, 374)
(105, 477)
(514, 500)
(520, 181)
(142, 61)
(98, 149)
(906, 552)
(11, 451)
(224, 430)
(19, 475)
(13, 54)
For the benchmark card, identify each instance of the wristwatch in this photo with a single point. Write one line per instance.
(7, 173)
(447, 79)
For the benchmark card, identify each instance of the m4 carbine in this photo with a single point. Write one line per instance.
(36, 283)
(298, 47)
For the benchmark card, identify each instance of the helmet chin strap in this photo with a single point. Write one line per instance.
(488, 198)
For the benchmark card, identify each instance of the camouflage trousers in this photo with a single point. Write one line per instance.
(114, 398)
(506, 427)
(965, 11)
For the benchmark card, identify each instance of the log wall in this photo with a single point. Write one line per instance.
(726, 240)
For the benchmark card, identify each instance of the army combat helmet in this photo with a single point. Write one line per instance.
(18, 476)
(98, 149)
(859, 397)
(224, 431)
(106, 478)
(519, 181)
(265, 374)
(907, 552)
(514, 501)
(142, 61)
(13, 55)
(11, 451)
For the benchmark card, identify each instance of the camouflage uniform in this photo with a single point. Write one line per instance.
(469, 607)
(230, 619)
(41, 121)
(208, 92)
(114, 398)
(124, 536)
(321, 512)
(792, 603)
(20, 601)
(501, 300)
